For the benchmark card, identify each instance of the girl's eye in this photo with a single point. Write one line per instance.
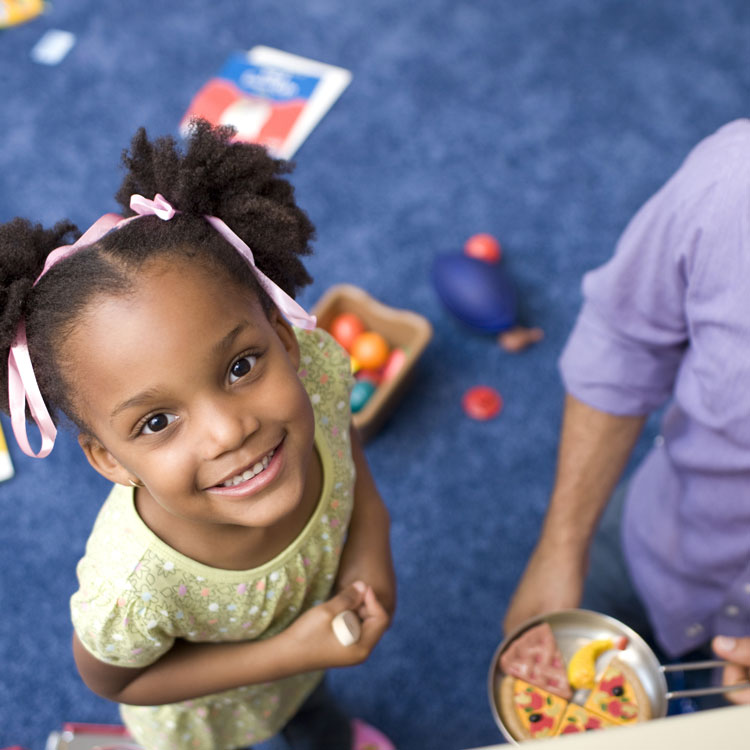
(157, 423)
(241, 367)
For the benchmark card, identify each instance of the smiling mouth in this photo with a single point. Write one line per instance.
(252, 471)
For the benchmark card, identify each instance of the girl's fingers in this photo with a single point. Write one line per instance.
(350, 597)
(375, 619)
(372, 605)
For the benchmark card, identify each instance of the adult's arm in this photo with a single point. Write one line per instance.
(594, 448)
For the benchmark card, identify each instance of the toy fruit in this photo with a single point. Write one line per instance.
(14, 12)
(345, 328)
(478, 293)
(396, 360)
(582, 665)
(483, 247)
(361, 393)
(373, 376)
(482, 402)
(370, 349)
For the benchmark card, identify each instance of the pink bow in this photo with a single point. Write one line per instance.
(22, 384)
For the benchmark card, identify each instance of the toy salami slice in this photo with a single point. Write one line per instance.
(619, 696)
(528, 711)
(535, 658)
(577, 719)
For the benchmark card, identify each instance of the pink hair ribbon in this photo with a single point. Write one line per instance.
(292, 311)
(22, 383)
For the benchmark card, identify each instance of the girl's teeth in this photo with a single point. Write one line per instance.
(250, 473)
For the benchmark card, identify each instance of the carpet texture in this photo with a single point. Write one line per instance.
(545, 123)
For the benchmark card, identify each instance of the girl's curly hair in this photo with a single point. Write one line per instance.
(238, 182)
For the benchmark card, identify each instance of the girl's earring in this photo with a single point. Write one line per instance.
(135, 484)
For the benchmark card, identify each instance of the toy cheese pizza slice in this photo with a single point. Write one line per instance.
(619, 696)
(535, 657)
(530, 711)
(577, 719)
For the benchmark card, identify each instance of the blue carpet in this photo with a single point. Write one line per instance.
(545, 123)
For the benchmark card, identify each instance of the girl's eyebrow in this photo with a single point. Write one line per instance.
(145, 397)
(227, 341)
(140, 399)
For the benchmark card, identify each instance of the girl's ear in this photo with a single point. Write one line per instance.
(285, 332)
(103, 461)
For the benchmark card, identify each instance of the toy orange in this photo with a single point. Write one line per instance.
(370, 349)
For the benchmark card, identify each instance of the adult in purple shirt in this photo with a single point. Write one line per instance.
(665, 321)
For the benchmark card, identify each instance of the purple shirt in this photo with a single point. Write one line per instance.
(668, 317)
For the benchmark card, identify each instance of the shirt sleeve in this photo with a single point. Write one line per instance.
(634, 327)
(117, 623)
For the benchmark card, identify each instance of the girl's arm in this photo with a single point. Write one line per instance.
(192, 670)
(367, 552)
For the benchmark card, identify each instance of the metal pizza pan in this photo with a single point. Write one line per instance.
(574, 628)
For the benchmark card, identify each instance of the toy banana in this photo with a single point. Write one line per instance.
(582, 665)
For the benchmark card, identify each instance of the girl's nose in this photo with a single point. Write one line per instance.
(223, 426)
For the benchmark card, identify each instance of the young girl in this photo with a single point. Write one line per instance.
(243, 517)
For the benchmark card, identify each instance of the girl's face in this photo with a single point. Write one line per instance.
(189, 387)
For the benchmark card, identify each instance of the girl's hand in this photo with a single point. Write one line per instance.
(312, 639)
(357, 565)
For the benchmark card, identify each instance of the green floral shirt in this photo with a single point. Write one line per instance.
(137, 594)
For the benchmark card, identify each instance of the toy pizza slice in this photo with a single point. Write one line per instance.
(619, 695)
(535, 658)
(528, 711)
(577, 719)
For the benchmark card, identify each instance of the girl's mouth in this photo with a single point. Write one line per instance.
(250, 472)
(254, 478)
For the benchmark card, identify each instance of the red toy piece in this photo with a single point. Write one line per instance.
(483, 247)
(396, 361)
(482, 402)
(345, 328)
(371, 376)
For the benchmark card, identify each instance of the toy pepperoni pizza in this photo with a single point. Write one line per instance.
(577, 719)
(533, 712)
(619, 696)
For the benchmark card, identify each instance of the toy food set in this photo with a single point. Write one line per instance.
(81, 736)
(573, 671)
(270, 97)
(14, 12)
(384, 344)
(577, 671)
(6, 467)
